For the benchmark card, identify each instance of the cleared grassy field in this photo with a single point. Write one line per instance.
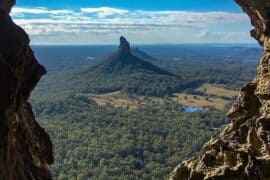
(212, 89)
(130, 102)
(133, 102)
(200, 101)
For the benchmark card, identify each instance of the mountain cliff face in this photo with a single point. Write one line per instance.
(242, 150)
(25, 148)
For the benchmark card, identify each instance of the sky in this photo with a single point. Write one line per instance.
(140, 21)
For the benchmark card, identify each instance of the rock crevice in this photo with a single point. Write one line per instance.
(242, 150)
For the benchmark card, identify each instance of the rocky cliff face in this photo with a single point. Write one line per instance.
(242, 150)
(124, 47)
(25, 148)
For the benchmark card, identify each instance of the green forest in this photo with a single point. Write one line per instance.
(107, 143)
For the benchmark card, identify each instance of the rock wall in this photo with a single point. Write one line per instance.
(25, 148)
(6, 5)
(242, 150)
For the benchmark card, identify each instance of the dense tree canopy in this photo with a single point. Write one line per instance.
(108, 143)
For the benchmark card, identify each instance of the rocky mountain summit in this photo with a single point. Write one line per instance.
(242, 150)
(25, 147)
(124, 47)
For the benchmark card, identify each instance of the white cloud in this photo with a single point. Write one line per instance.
(104, 11)
(222, 36)
(17, 10)
(39, 11)
(88, 22)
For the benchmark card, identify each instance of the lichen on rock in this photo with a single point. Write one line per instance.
(242, 150)
(25, 147)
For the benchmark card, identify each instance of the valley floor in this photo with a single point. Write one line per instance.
(206, 96)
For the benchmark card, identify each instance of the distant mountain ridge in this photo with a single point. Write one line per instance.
(141, 54)
(125, 72)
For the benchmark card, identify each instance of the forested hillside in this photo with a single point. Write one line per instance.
(108, 142)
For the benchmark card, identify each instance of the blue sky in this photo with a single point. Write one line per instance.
(195, 5)
(141, 21)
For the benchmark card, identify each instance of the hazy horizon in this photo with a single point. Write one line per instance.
(165, 44)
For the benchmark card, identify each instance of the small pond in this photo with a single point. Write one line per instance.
(190, 109)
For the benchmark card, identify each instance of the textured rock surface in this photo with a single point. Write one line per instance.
(242, 150)
(25, 148)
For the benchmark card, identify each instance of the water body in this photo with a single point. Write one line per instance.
(192, 109)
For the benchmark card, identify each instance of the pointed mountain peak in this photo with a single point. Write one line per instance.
(124, 47)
